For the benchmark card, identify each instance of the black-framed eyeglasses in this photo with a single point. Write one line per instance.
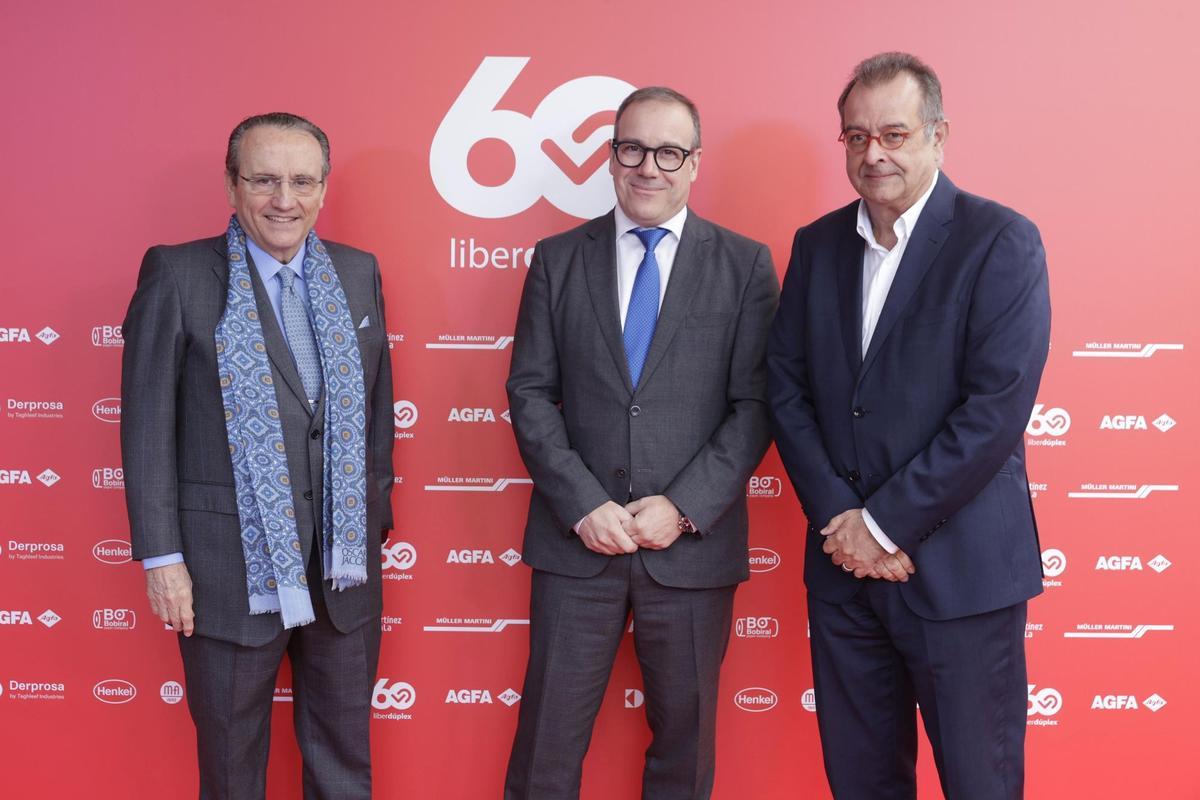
(301, 186)
(668, 158)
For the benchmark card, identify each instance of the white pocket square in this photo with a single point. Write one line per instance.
(366, 322)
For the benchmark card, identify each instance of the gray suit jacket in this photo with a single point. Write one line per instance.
(694, 430)
(178, 474)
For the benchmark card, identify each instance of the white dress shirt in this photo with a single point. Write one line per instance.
(879, 270)
(630, 252)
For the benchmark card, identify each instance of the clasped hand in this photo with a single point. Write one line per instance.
(650, 522)
(850, 545)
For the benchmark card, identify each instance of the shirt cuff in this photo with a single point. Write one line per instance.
(162, 561)
(877, 532)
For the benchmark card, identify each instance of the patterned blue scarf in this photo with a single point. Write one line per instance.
(275, 571)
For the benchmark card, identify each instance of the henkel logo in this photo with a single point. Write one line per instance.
(399, 695)
(471, 415)
(1054, 562)
(1158, 563)
(14, 477)
(113, 551)
(755, 699)
(808, 700)
(510, 557)
(171, 692)
(763, 559)
(114, 619)
(47, 336)
(558, 152)
(509, 697)
(49, 618)
(1044, 702)
(634, 698)
(107, 336)
(764, 486)
(406, 414)
(756, 627)
(1164, 423)
(470, 557)
(48, 477)
(114, 691)
(1051, 422)
(107, 409)
(108, 478)
(468, 696)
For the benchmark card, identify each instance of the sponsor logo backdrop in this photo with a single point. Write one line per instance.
(463, 132)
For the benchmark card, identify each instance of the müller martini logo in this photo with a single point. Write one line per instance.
(455, 341)
(459, 483)
(1120, 491)
(1122, 349)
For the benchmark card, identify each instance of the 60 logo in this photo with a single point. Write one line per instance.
(1051, 422)
(560, 149)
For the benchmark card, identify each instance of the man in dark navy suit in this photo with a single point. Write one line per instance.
(903, 365)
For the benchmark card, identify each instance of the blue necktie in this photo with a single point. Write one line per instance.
(642, 314)
(299, 333)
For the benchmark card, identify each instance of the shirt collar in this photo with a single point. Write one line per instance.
(903, 226)
(625, 225)
(268, 266)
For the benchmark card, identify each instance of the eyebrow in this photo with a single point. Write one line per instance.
(884, 127)
(640, 143)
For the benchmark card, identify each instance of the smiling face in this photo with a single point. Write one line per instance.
(890, 181)
(646, 194)
(277, 222)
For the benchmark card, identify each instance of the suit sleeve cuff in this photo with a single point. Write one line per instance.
(162, 561)
(877, 532)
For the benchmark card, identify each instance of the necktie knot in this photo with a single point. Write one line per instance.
(287, 277)
(650, 237)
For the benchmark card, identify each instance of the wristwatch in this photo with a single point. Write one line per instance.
(686, 525)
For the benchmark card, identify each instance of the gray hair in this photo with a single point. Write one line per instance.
(666, 95)
(276, 119)
(883, 67)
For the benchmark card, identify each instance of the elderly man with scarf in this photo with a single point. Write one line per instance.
(257, 446)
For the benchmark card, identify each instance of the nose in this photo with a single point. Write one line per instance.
(648, 167)
(875, 151)
(283, 196)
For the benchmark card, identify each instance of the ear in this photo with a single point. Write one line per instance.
(695, 165)
(231, 189)
(941, 132)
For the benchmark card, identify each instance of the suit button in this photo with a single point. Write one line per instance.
(854, 476)
(621, 473)
(635, 410)
(316, 434)
(308, 494)
(859, 412)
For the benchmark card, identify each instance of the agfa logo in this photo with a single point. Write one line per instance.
(114, 691)
(113, 551)
(47, 336)
(107, 409)
(509, 697)
(756, 627)
(48, 477)
(763, 559)
(634, 698)
(171, 692)
(470, 557)
(1054, 562)
(8, 335)
(756, 699)
(510, 557)
(1052, 422)
(1154, 702)
(559, 151)
(1158, 563)
(49, 618)
(399, 695)
(468, 696)
(1119, 563)
(12, 617)
(1164, 423)
(14, 477)
(471, 415)
(406, 414)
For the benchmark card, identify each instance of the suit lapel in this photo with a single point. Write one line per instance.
(687, 274)
(849, 281)
(926, 242)
(600, 267)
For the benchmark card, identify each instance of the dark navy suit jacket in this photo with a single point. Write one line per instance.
(926, 430)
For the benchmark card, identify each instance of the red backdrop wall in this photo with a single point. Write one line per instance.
(461, 133)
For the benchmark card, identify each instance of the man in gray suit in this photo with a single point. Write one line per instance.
(637, 395)
(257, 445)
